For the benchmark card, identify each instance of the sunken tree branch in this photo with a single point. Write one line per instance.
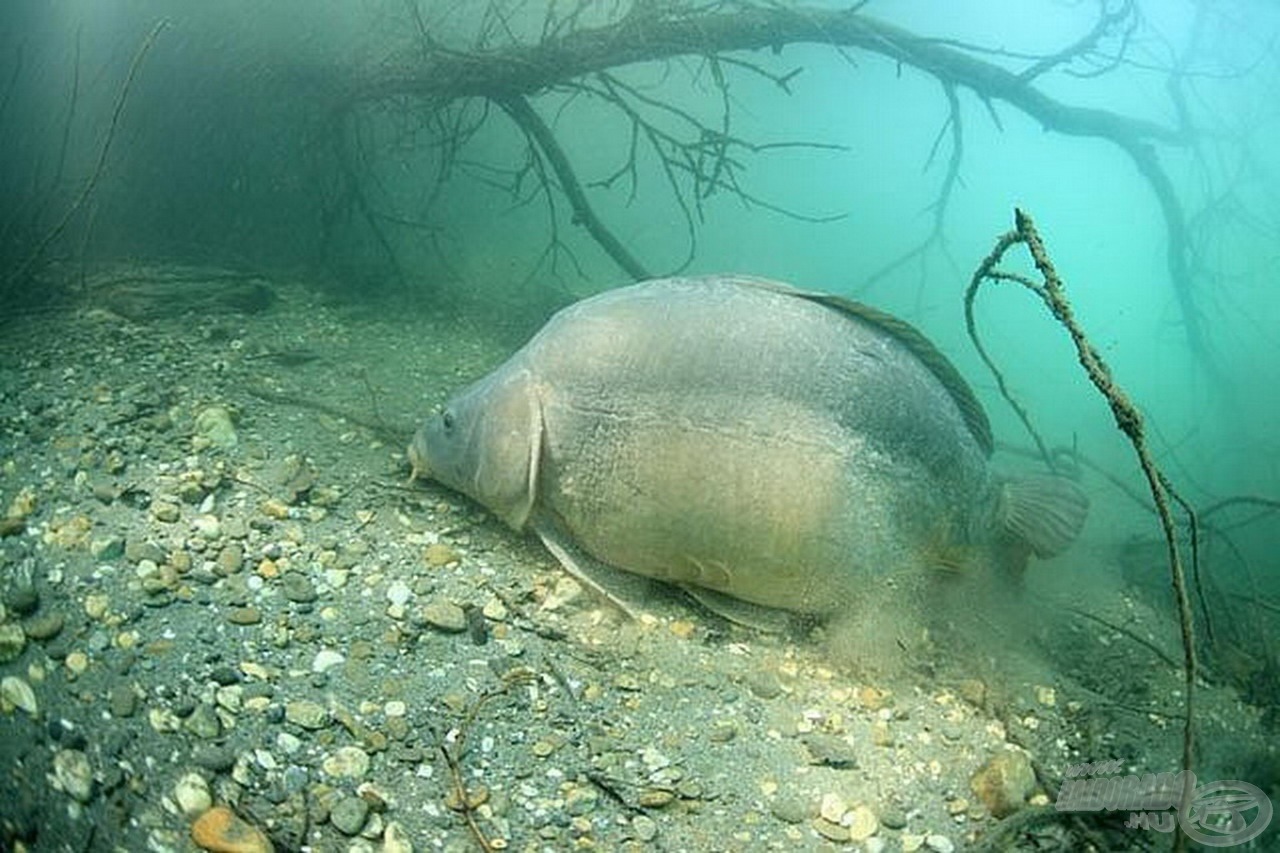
(570, 55)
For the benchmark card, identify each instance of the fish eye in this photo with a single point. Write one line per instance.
(446, 419)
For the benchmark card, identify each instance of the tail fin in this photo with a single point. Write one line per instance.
(1044, 512)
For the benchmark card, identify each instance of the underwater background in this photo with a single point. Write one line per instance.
(292, 148)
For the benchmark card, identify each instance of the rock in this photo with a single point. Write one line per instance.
(298, 588)
(165, 512)
(438, 555)
(444, 616)
(12, 641)
(939, 844)
(1004, 782)
(349, 762)
(22, 599)
(122, 701)
(789, 809)
(395, 839)
(244, 616)
(230, 560)
(217, 758)
(862, 823)
(763, 684)
(45, 626)
(893, 818)
(326, 659)
(72, 774)
(77, 663)
(191, 793)
(309, 715)
(644, 827)
(213, 425)
(349, 815)
(207, 527)
(106, 548)
(398, 593)
(830, 751)
(220, 830)
(15, 692)
(204, 722)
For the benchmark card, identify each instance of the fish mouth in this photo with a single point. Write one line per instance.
(417, 453)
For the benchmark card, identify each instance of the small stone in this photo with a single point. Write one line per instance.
(395, 708)
(309, 715)
(881, 735)
(1004, 782)
(22, 599)
(939, 844)
(214, 427)
(911, 842)
(399, 593)
(789, 809)
(862, 823)
(326, 659)
(298, 588)
(350, 762)
(830, 831)
(444, 616)
(122, 701)
(274, 508)
(349, 815)
(44, 626)
(191, 793)
(722, 731)
(244, 616)
(395, 839)
(207, 527)
(494, 610)
(107, 548)
(655, 798)
(203, 722)
(830, 751)
(438, 555)
(96, 605)
(220, 830)
(15, 692)
(763, 684)
(230, 560)
(77, 663)
(72, 774)
(12, 641)
(644, 827)
(217, 758)
(832, 808)
(165, 512)
(893, 818)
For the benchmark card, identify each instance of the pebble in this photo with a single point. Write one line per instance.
(1004, 782)
(191, 793)
(395, 839)
(220, 830)
(763, 684)
(298, 588)
(940, 844)
(203, 722)
(12, 641)
(349, 815)
(15, 692)
(437, 555)
(893, 818)
(862, 823)
(307, 714)
(350, 762)
(789, 809)
(830, 751)
(207, 527)
(45, 626)
(832, 808)
(218, 758)
(244, 616)
(122, 701)
(164, 512)
(326, 659)
(22, 599)
(77, 663)
(230, 560)
(72, 774)
(644, 827)
(444, 616)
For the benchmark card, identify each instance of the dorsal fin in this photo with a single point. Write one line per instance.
(909, 336)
